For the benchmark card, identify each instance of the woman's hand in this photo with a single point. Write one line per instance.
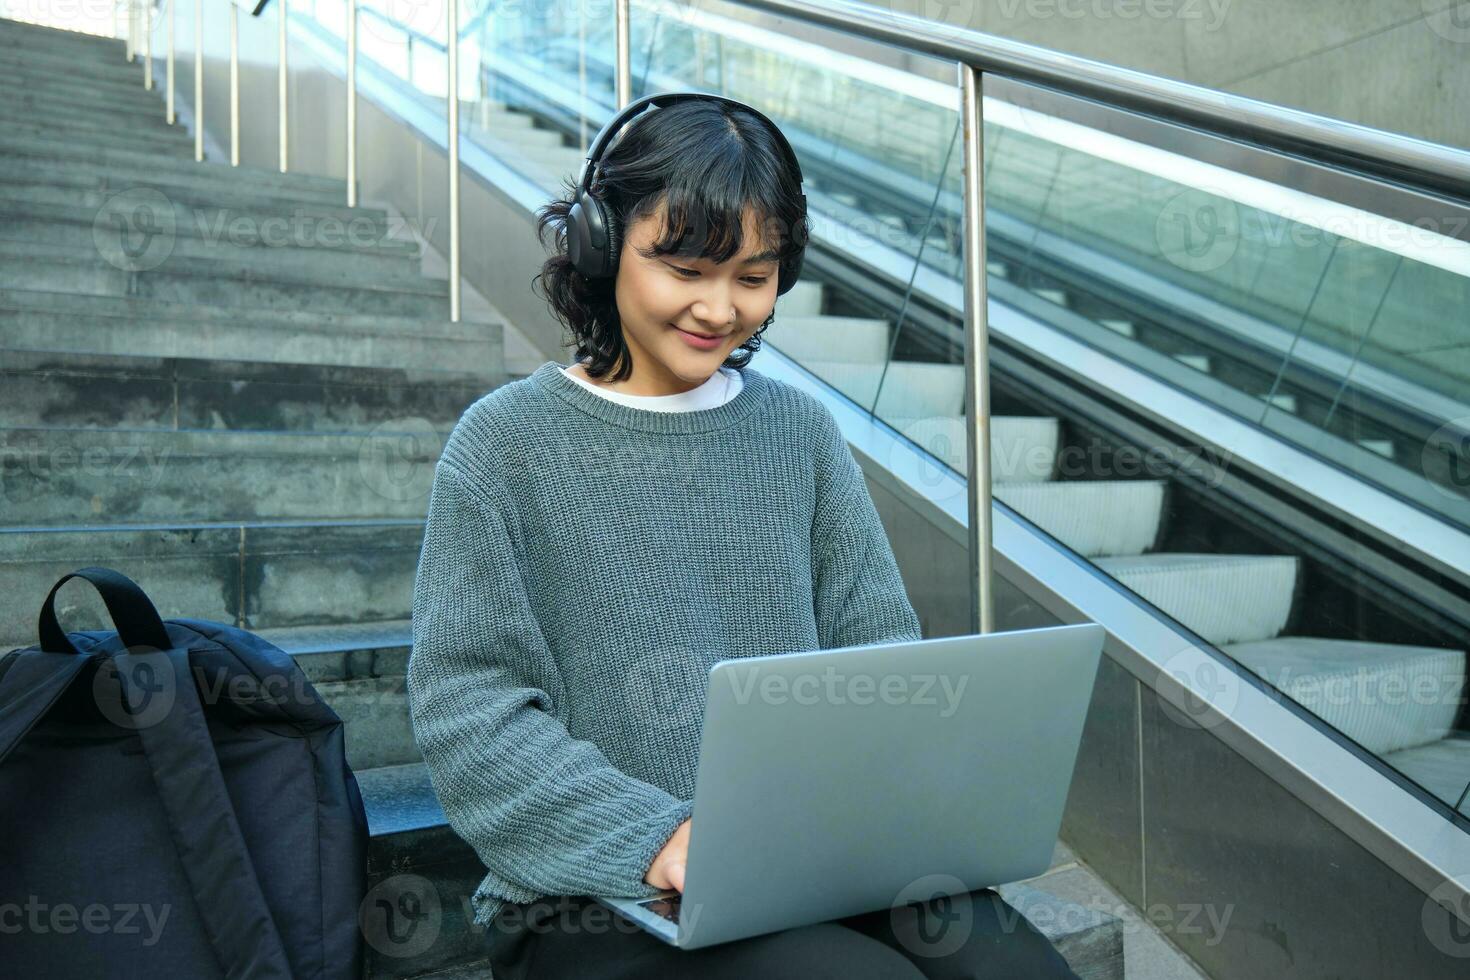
(667, 869)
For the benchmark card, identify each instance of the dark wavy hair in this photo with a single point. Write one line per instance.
(708, 162)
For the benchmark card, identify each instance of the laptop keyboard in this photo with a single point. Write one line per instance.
(665, 907)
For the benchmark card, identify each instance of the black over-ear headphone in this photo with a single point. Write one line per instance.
(594, 240)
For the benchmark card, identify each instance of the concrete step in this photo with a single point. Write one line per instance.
(87, 140)
(195, 204)
(1443, 768)
(44, 151)
(56, 97)
(58, 477)
(34, 320)
(415, 859)
(17, 46)
(56, 62)
(1223, 598)
(494, 119)
(40, 35)
(1383, 447)
(1022, 449)
(851, 339)
(359, 669)
(130, 118)
(525, 136)
(910, 389)
(253, 241)
(803, 299)
(1384, 696)
(81, 91)
(128, 392)
(1092, 517)
(547, 163)
(188, 280)
(254, 575)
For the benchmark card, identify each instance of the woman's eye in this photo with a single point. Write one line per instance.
(689, 273)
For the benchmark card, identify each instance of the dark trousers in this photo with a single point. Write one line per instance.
(976, 935)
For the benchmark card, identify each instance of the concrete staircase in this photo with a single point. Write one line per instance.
(231, 387)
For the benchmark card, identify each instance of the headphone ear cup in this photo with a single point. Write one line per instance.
(789, 274)
(587, 236)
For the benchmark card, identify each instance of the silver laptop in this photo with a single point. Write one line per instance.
(832, 781)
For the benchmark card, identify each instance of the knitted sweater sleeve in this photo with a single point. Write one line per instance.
(858, 593)
(547, 813)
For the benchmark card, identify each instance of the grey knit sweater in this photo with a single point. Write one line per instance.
(584, 565)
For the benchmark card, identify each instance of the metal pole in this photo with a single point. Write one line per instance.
(624, 63)
(582, 76)
(977, 352)
(148, 45)
(352, 103)
(169, 96)
(453, 103)
(234, 85)
(131, 38)
(199, 80)
(281, 82)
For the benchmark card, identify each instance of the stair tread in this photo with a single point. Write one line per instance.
(227, 267)
(328, 638)
(213, 368)
(400, 799)
(1384, 696)
(139, 307)
(1442, 767)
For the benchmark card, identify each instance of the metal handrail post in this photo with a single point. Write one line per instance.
(352, 103)
(131, 39)
(148, 45)
(624, 61)
(234, 85)
(453, 103)
(281, 108)
(977, 353)
(199, 80)
(168, 113)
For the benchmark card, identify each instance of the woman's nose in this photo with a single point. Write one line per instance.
(716, 313)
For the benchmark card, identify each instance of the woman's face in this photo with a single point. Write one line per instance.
(660, 298)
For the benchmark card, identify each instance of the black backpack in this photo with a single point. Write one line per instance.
(174, 802)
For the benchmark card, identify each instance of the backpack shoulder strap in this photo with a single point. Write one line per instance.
(202, 822)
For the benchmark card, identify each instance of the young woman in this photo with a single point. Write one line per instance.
(601, 534)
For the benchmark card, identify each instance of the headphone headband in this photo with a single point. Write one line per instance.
(662, 100)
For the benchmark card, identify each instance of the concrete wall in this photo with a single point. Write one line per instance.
(1399, 65)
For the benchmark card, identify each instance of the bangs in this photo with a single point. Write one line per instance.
(704, 225)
